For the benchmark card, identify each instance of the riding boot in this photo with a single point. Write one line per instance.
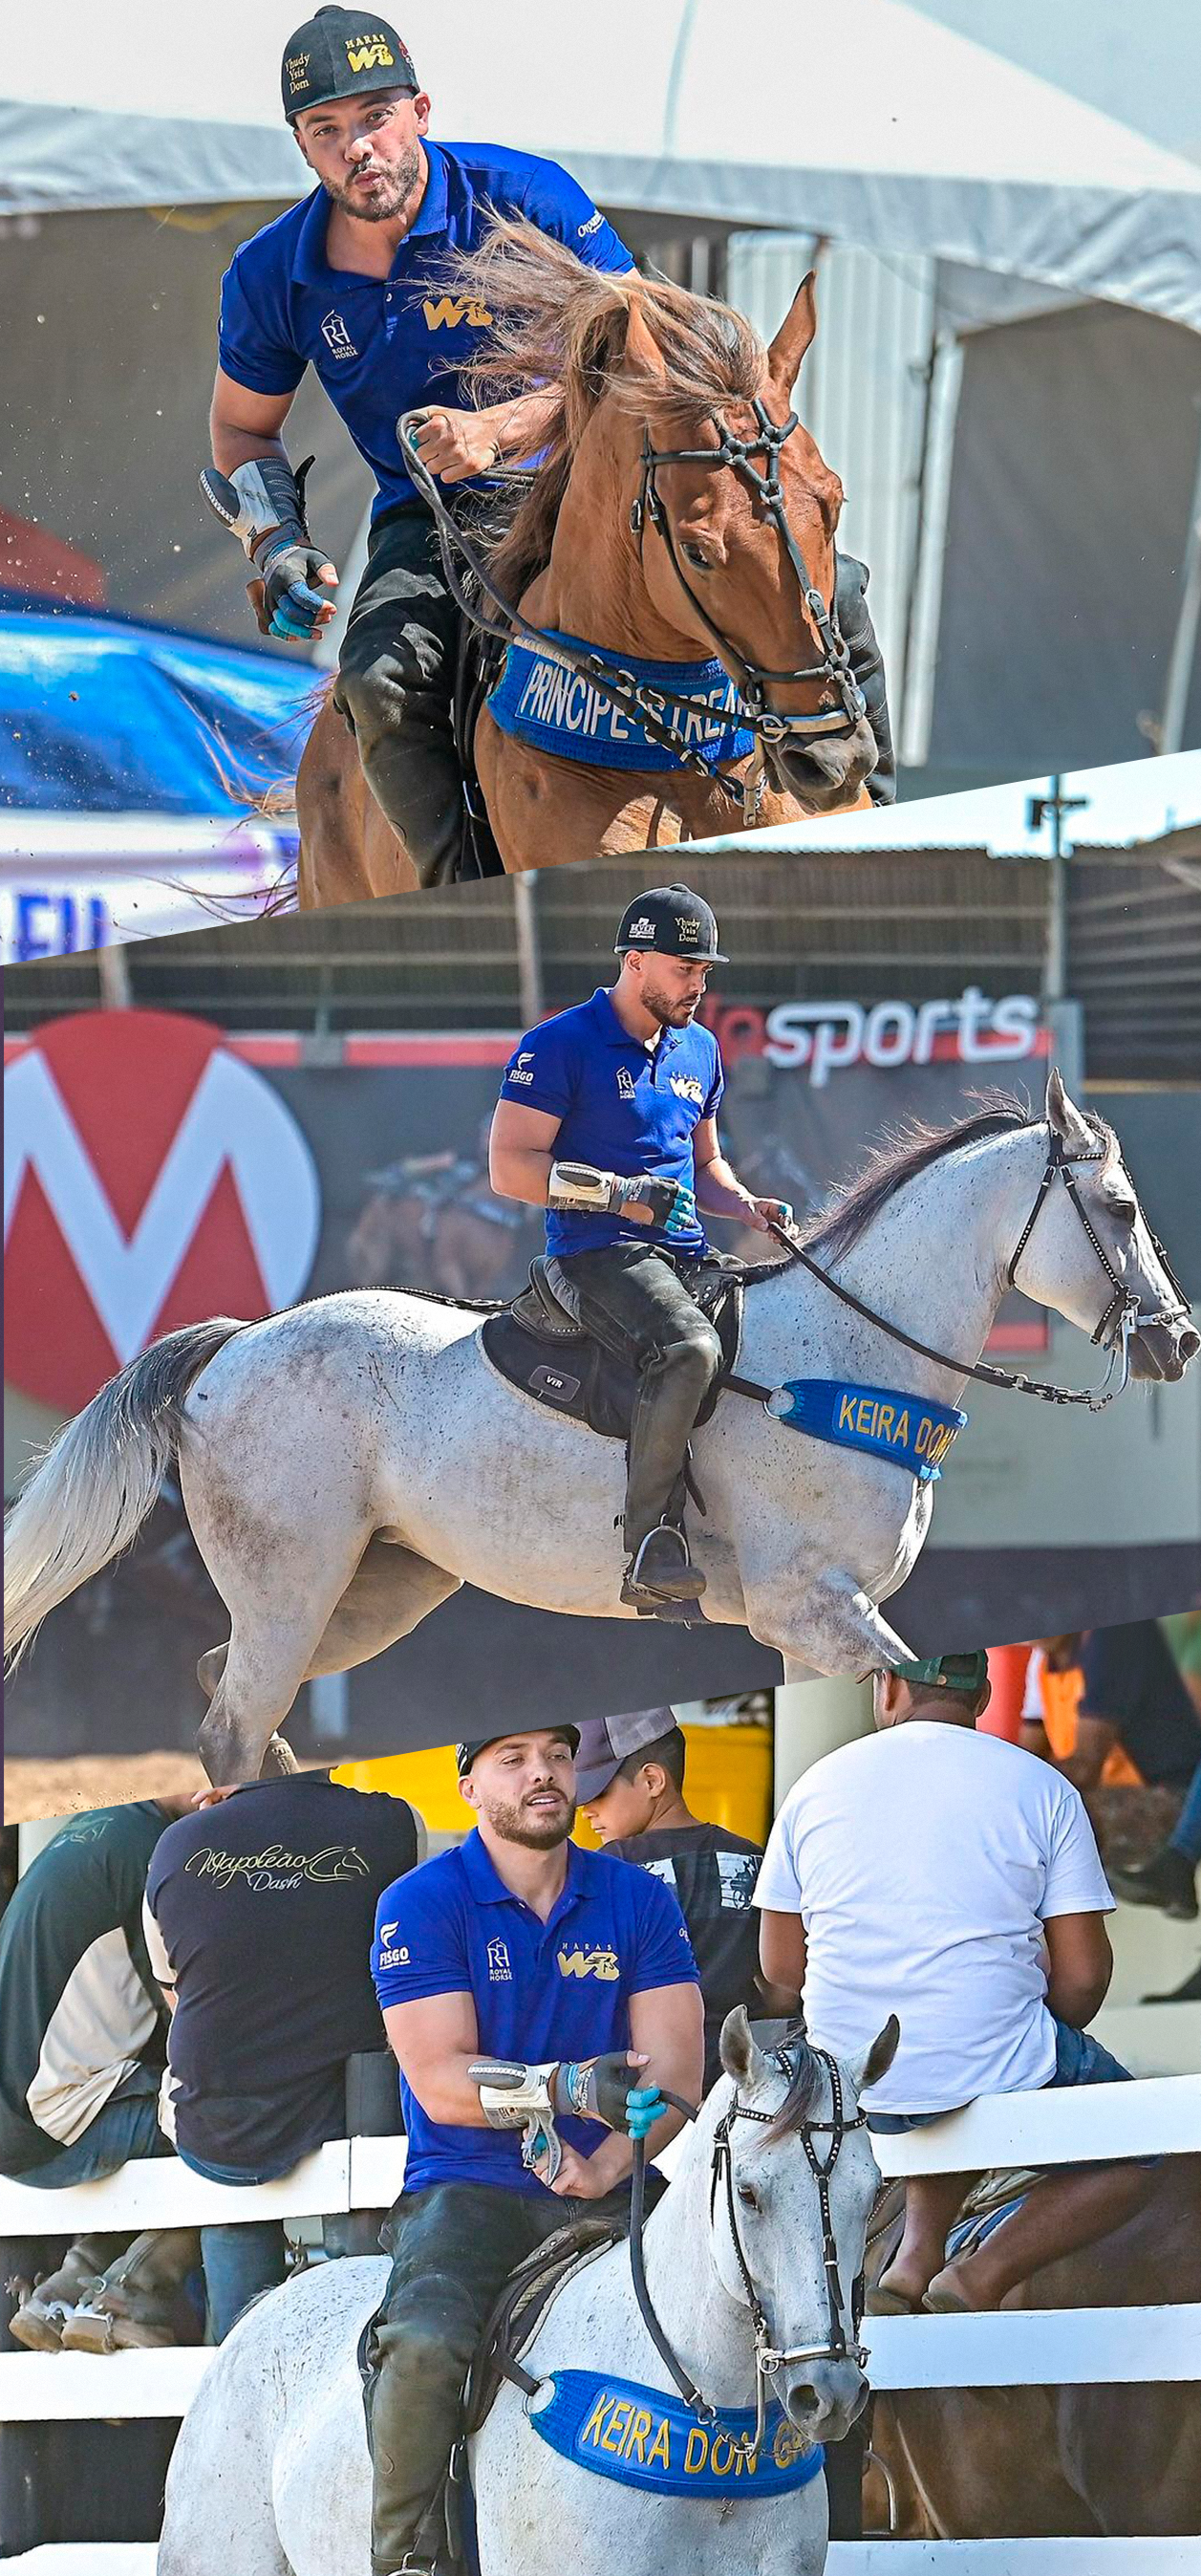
(672, 1386)
(867, 665)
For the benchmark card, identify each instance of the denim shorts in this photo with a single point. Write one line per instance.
(1079, 2059)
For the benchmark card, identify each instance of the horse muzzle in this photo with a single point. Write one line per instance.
(1163, 1351)
(827, 772)
(823, 2398)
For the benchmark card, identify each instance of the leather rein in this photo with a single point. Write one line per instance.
(1120, 1321)
(637, 698)
(769, 2357)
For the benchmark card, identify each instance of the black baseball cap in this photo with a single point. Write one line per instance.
(341, 53)
(465, 1753)
(966, 1673)
(674, 922)
(606, 1742)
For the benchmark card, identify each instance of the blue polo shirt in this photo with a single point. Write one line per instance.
(624, 1107)
(384, 345)
(559, 1989)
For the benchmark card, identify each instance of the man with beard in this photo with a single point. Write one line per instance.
(608, 1119)
(502, 1968)
(352, 282)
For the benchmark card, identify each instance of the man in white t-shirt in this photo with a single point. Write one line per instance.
(953, 1879)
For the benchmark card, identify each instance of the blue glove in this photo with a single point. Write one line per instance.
(682, 1216)
(605, 2091)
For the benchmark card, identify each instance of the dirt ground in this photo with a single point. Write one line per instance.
(35, 1787)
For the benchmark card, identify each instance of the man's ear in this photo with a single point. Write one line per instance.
(467, 1791)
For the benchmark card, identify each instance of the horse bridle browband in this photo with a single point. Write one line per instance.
(1121, 1319)
(769, 2357)
(638, 698)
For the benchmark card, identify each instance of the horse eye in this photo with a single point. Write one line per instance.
(749, 2198)
(1124, 1209)
(693, 555)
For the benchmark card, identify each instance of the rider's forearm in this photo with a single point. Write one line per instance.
(517, 1172)
(445, 2090)
(719, 1191)
(519, 427)
(233, 447)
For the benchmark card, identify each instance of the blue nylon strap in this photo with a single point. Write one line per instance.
(644, 2438)
(552, 709)
(911, 1430)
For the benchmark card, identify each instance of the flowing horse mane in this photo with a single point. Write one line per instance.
(910, 1148)
(556, 322)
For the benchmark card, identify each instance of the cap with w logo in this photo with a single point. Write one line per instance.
(339, 54)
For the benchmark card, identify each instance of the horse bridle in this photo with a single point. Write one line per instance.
(1121, 1319)
(769, 2357)
(753, 677)
(638, 698)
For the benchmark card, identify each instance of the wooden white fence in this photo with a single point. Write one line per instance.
(1161, 2115)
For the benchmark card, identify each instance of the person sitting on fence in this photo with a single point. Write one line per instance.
(259, 1914)
(82, 2047)
(537, 1997)
(630, 1786)
(942, 1872)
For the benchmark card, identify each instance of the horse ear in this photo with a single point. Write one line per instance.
(741, 2055)
(643, 355)
(793, 337)
(879, 2056)
(1062, 1114)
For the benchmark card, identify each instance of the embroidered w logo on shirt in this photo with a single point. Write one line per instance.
(451, 310)
(590, 1963)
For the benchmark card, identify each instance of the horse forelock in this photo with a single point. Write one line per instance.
(553, 321)
(805, 2078)
(904, 1151)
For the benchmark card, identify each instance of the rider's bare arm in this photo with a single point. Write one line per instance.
(521, 1158)
(718, 1188)
(243, 424)
(667, 2026)
(782, 1950)
(434, 2041)
(457, 444)
(1080, 1965)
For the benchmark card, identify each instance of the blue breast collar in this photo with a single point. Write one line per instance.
(553, 709)
(911, 1430)
(644, 2438)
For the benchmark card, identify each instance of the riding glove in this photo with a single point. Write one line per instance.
(604, 2090)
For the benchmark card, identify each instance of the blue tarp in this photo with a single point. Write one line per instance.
(104, 714)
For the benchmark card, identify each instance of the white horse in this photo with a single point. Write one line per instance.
(347, 1465)
(270, 2475)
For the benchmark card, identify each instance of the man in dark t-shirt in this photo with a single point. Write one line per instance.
(1132, 1698)
(630, 1785)
(260, 1910)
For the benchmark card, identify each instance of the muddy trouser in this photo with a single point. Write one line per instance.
(453, 2248)
(859, 636)
(642, 1305)
(395, 686)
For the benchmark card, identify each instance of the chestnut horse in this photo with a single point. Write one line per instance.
(1011, 2463)
(693, 565)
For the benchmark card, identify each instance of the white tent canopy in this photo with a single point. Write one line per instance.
(866, 124)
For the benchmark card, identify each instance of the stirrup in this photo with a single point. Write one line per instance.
(685, 1588)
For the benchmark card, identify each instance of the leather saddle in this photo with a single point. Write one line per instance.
(539, 1347)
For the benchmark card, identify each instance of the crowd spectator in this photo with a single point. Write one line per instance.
(259, 1915)
(82, 2048)
(630, 1786)
(937, 1871)
(1109, 1708)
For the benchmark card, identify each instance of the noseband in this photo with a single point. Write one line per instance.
(834, 669)
(769, 2356)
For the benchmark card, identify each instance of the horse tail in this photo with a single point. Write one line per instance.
(96, 1482)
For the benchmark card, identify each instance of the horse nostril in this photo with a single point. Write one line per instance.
(1189, 1344)
(802, 2400)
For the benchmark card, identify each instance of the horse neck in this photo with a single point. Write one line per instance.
(710, 2333)
(933, 1260)
(593, 585)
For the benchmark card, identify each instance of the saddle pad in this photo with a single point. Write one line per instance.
(575, 1375)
